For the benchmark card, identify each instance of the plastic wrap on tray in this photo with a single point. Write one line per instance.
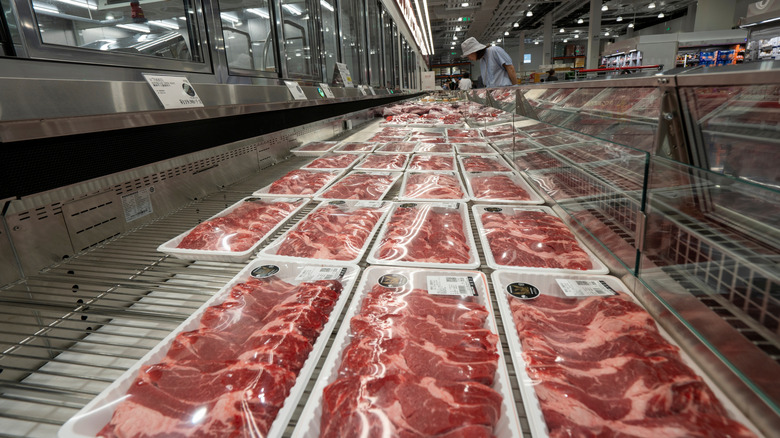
(474, 149)
(492, 131)
(445, 162)
(534, 160)
(432, 186)
(400, 147)
(457, 140)
(500, 187)
(355, 146)
(301, 182)
(379, 138)
(314, 148)
(362, 185)
(430, 140)
(378, 161)
(236, 232)
(236, 367)
(425, 147)
(484, 164)
(596, 151)
(337, 231)
(333, 161)
(532, 238)
(426, 235)
(417, 355)
(592, 362)
(463, 133)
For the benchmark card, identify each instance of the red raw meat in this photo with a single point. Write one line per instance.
(425, 234)
(381, 138)
(483, 164)
(432, 162)
(497, 187)
(475, 149)
(384, 162)
(492, 131)
(301, 182)
(433, 186)
(240, 229)
(433, 147)
(458, 140)
(333, 161)
(399, 146)
(533, 239)
(537, 160)
(432, 140)
(572, 346)
(365, 186)
(471, 133)
(331, 233)
(356, 146)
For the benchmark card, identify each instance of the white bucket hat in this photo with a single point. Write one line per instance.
(470, 46)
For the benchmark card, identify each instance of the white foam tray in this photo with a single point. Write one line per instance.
(335, 173)
(339, 148)
(536, 199)
(598, 266)
(395, 175)
(379, 149)
(546, 284)
(488, 149)
(97, 413)
(356, 158)
(300, 153)
(426, 154)
(308, 426)
(170, 247)
(497, 158)
(402, 194)
(269, 252)
(406, 156)
(474, 261)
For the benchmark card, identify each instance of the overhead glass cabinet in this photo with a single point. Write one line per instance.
(387, 49)
(352, 21)
(249, 36)
(374, 25)
(330, 37)
(298, 36)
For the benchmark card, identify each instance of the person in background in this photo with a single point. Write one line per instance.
(494, 63)
(453, 84)
(551, 75)
(465, 82)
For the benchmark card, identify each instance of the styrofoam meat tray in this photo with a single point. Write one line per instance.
(335, 174)
(497, 159)
(97, 413)
(474, 261)
(395, 176)
(598, 266)
(269, 252)
(309, 424)
(170, 247)
(403, 197)
(299, 151)
(536, 199)
(546, 284)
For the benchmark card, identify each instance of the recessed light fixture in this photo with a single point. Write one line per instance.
(516, 25)
(619, 19)
(565, 40)
(529, 13)
(651, 5)
(631, 25)
(498, 40)
(606, 33)
(661, 15)
(563, 30)
(576, 35)
(604, 8)
(506, 33)
(580, 21)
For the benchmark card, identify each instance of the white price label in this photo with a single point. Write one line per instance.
(174, 91)
(314, 273)
(295, 90)
(450, 205)
(346, 77)
(369, 204)
(585, 288)
(290, 200)
(362, 90)
(328, 92)
(452, 285)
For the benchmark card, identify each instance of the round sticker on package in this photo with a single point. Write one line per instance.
(493, 209)
(392, 281)
(265, 271)
(408, 205)
(336, 202)
(524, 291)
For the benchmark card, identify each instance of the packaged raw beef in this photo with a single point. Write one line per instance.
(432, 162)
(432, 186)
(314, 148)
(534, 160)
(236, 232)
(484, 164)
(427, 235)
(500, 187)
(338, 231)
(546, 131)
(569, 183)
(361, 185)
(592, 362)
(333, 161)
(355, 146)
(379, 138)
(492, 131)
(379, 161)
(236, 367)
(435, 147)
(456, 140)
(432, 140)
(531, 238)
(469, 133)
(426, 134)
(560, 139)
(301, 182)
(401, 147)
(394, 132)
(474, 149)
(597, 151)
(417, 355)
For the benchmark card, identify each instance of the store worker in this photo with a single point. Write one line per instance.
(494, 63)
(465, 82)
(551, 75)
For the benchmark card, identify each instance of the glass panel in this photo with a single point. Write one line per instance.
(374, 45)
(740, 129)
(396, 58)
(710, 255)
(330, 38)
(389, 68)
(161, 29)
(249, 36)
(10, 35)
(298, 39)
(352, 28)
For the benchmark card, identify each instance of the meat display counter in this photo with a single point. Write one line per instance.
(79, 331)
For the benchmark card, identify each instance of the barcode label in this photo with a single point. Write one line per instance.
(314, 273)
(450, 205)
(290, 200)
(585, 288)
(368, 204)
(452, 285)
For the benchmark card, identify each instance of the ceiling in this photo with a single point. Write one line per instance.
(489, 20)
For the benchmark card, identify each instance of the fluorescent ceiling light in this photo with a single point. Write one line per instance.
(260, 13)
(630, 25)
(293, 9)
(46, 8)
(327, 5)
(619, 19)
(506, 33)
(580, 21)
(516, 24)
(84, 4)
(604, 8)
(464, 5)
(661, 15)
(606, 33)
(530, 13)
(565, 40)
(228, 16)
(576, 35)
(651, 5)
(498, 40)
(167, 25)
(563, 30)
(135, 27)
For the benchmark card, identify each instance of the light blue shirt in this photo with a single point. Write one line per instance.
(492, 67)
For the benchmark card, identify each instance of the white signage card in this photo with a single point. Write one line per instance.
(174, 91)
(428, 80)
(362, 90)
(451, 285)
(371, 89)
(137, 204)
(295, 90)
(346, 77)
(585, 288)
(328, 92)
